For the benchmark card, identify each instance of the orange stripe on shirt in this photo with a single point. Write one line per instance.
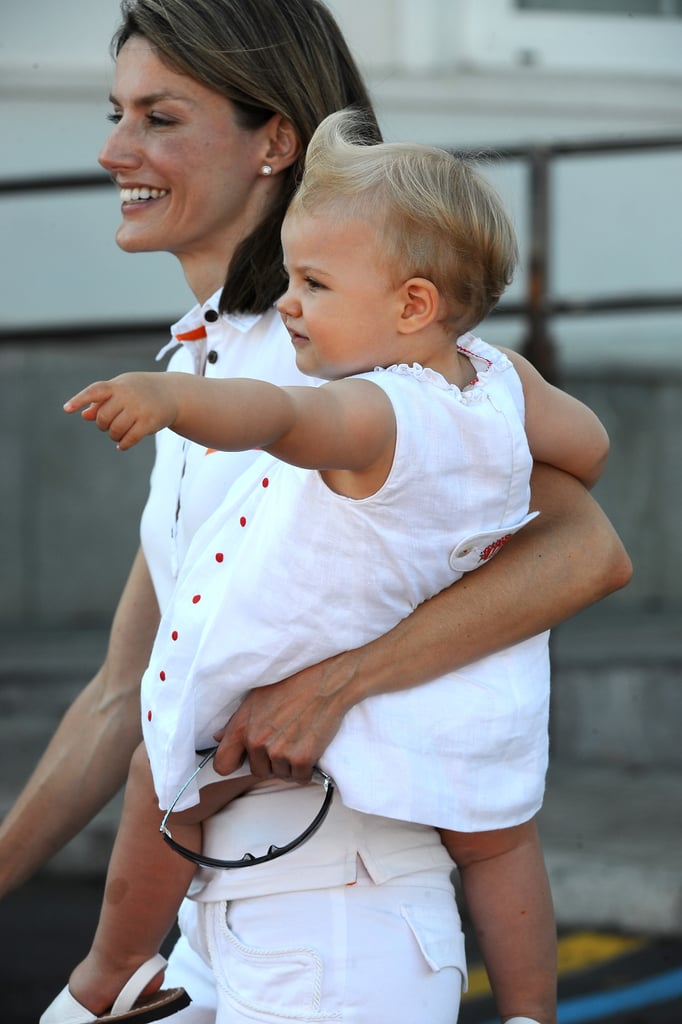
(194, 335)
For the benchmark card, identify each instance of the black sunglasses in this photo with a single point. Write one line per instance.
(249, 859)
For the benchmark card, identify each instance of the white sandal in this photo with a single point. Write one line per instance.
(128, 1006)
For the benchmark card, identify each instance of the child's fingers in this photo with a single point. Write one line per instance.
(94, 395)
(90, 413)
(124, 429)
(117, 407)
(129, 439)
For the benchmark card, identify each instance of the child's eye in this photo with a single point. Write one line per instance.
(113, 118)
(312, 283)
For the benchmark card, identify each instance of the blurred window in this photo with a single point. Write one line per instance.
(628, 8)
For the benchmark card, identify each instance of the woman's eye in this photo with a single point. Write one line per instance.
(157, 121)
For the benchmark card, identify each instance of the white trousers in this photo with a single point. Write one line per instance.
(355, 954)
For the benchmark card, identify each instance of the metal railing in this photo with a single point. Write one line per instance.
(539, 305)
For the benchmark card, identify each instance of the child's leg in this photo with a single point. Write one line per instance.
(146, 882)
(510, 904)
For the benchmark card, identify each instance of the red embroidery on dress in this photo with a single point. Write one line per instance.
(242, 520)
(149, 716)
(162, 676)
(266, 482)
(174, 635)
(473, 355)
(493, 548)
(219, 556)
(196, 599)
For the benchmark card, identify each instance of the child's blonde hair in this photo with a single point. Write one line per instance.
(436, 217)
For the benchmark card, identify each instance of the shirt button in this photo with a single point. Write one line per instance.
(212, 356)
(211, 316)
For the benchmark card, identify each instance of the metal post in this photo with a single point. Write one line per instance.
(538, 346)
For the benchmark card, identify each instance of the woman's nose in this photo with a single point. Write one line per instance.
(118, 151)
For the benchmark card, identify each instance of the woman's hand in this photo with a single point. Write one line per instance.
(283, 729)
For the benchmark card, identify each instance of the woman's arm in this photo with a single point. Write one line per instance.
(566, 559)
(87, 759)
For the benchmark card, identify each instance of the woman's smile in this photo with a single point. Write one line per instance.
(141, 194)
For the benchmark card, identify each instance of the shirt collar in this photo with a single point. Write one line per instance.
(192, 326)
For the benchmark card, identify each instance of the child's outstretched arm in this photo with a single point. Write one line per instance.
(561, 430)
(342, 425)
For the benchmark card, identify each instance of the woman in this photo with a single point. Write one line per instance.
(214, 102)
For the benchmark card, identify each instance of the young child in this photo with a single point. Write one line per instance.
(374, 491)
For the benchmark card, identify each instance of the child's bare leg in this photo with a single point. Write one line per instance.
(510, 904)
(146, 882)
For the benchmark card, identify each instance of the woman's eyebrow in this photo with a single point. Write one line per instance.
(151, 98)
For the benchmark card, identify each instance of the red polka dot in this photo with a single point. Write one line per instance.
(242, 521)
(266, 482)
(149, 716)
(162, 676)
(219, 556)
(174, 635)
(196, 599)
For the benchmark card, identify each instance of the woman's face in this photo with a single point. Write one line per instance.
(189, 176)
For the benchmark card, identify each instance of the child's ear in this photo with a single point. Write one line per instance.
(420, 304)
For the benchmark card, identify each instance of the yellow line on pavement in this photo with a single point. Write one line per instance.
(576, 952)
(479, 985)
(583, 950)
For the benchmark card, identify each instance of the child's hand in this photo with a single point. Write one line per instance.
(128, 407)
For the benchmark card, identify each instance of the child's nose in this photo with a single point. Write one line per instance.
(288, 305)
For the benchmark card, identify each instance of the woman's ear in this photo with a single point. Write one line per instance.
(284, 145)
(420, 305)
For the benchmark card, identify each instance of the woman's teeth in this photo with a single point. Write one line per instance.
(134, 195)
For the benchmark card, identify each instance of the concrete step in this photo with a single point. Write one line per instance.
(613, 844)
(616, 695)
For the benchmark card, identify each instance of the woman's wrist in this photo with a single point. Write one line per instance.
(352, 676)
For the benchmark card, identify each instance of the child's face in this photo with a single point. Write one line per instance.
(340, 308)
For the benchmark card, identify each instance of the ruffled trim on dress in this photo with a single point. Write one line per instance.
(419, 372)
(473, 392)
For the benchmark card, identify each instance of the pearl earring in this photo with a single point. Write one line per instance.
(266, 170)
